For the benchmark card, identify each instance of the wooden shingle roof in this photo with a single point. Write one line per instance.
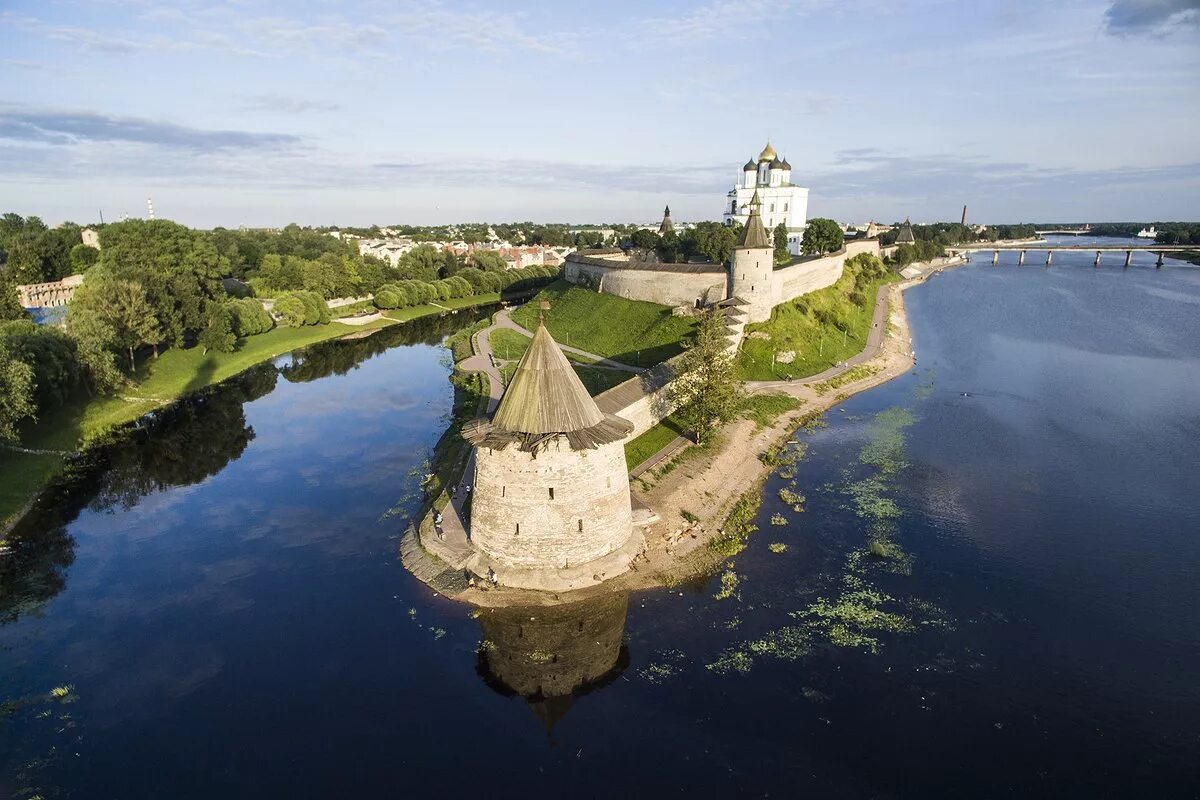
(545, 399)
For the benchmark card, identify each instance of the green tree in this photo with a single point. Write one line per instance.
(10, 304)
(644, 239)
(117, 313)
(422, 263)
(16, 393)
(706, 389)
(50, 353)
(821, 236)
(219, 336)
(83, 257)
(780, 238)
(178, 269)
(489, 261)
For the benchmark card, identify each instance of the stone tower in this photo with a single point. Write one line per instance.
(751, 270)
(667, 225)
(550, 508)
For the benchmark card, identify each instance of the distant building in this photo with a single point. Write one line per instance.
(90, 237)
(51, 294)
(770, 177)
(905, 235)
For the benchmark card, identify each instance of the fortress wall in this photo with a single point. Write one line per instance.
(662, 286)
(819, 273)
(512, 488)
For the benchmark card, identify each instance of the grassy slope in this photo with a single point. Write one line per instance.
(159, 382)
(629, 331)
(509, 345)
(794, 326)
(639, 449)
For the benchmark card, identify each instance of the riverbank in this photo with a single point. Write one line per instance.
(45, 447)
(699, 497)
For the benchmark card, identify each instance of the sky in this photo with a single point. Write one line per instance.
(264, 112)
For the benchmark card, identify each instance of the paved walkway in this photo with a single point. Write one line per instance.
(485, 360)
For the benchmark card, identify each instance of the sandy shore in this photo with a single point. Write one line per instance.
(708, 484)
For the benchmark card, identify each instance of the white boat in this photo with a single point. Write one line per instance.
(1147, 233)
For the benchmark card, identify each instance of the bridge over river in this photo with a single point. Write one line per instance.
(1051, 249)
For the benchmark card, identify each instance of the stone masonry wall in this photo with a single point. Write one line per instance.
(588, 516)
(656, 286)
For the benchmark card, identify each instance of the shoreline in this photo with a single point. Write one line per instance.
(679, 547)
(13, 517)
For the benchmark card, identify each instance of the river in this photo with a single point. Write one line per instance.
(979, 579)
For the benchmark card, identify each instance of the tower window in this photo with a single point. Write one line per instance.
(772, 208)
(785, 205)
(581, 526)
(518, 529)
(552, 494)
(503, 491)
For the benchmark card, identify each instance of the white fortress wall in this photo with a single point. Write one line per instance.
(663, 286)
(811, 276)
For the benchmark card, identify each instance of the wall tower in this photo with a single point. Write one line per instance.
(752, 266)
(550, 508)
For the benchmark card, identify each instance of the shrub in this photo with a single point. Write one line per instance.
(249, 318)
(290, 310)
(387, 298)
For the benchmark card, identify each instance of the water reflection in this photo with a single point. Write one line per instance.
(553, 655)
(340, 356)
(181, 445)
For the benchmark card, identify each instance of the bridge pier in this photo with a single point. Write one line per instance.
(1049, 257)
(1021, 259)
(1128, 257)
(1096, 263)
(995, 257)
(1158, 264)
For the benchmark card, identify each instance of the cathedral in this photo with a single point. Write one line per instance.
(782, 201)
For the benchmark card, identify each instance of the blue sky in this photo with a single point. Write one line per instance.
(261, 112)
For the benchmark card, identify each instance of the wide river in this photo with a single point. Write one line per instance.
(979, 580)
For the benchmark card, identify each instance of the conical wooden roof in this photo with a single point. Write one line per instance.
(754, 235)
(545, 395)
(545, 398)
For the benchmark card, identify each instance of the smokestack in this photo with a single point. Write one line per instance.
(964, 217)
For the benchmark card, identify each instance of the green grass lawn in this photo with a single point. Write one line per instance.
(639, 449)
(508, 345)
(630, 331)
(820, 329)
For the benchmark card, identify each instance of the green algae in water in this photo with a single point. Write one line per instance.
(729, 585)
(856, 614)
(777, 547)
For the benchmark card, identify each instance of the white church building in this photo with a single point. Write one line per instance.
(780, 199)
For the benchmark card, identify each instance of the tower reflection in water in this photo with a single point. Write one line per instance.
(553, 655)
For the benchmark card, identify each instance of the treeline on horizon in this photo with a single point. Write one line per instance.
(156, 284)
(1166, 232)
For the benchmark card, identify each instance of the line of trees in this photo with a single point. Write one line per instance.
(155, 284)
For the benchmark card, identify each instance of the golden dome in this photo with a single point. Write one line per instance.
(768, 153)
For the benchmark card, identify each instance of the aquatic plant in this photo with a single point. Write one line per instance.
(777, 547)
(778, 520)
(731, 661)
(729, 585)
